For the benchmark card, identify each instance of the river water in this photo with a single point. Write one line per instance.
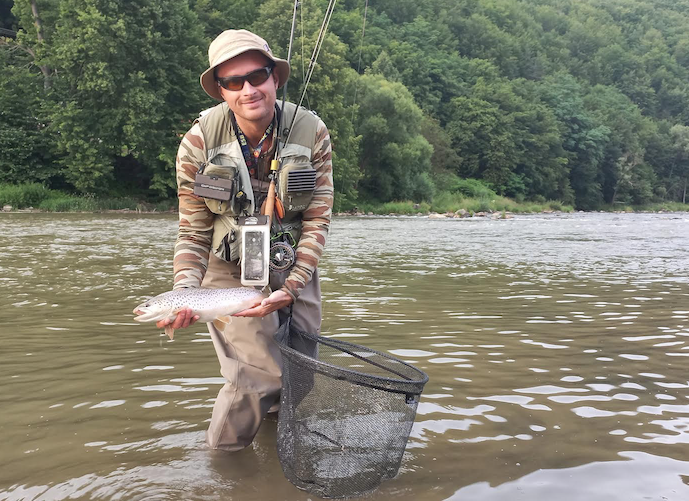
(556, 347)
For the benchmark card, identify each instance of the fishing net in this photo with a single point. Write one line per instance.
(345, 415)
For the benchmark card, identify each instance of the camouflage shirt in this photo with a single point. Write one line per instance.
(196, 220)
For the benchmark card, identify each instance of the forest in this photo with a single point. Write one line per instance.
(582, 102)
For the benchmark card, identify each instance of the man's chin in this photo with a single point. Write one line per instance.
(255, 114)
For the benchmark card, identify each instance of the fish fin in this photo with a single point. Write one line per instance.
(227, 319)
(169, 331)
(219, 324)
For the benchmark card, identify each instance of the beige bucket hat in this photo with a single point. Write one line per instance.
(231, 43)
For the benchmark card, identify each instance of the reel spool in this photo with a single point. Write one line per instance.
(282, 256)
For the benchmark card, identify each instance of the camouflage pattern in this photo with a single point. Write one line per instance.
(196, 220)
(315, 218)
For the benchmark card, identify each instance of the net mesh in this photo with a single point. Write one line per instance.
(345, 416)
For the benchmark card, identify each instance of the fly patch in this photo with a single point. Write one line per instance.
(301, 180)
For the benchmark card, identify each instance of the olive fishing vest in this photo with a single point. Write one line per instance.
(295, 183)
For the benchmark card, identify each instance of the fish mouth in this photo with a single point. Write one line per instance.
(145, 315)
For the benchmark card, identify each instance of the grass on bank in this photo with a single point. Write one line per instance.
(37, 196)
(469, 194)
(446, 202)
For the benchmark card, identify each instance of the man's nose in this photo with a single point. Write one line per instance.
(247, 88)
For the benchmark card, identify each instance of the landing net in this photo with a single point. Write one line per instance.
(345, 416)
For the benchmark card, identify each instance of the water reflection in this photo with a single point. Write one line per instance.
(555, 348)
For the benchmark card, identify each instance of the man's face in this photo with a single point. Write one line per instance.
(249, 104)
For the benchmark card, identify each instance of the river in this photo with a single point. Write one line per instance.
(556, 347)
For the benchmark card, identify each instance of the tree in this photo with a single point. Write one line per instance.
(128, 88)
(217, 16)
(678, 178)
(507, 137)
(626, 176)
(394, 155)
(583, 138)
(26, 145)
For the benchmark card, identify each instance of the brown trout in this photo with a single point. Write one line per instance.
(208, 304)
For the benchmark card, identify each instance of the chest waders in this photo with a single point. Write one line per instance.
(295, 184)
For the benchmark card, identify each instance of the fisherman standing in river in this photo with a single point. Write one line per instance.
(233, 145)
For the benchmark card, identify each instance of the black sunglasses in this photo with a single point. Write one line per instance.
(255, 78)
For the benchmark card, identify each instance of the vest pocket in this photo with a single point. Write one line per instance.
(224, 168)
(296, 184)
(225, 241)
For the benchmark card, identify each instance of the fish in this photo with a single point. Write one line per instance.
(209, 304)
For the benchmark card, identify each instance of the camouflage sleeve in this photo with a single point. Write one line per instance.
(195, 220)
(316, 217)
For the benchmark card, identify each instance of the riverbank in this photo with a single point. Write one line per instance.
(502, 208)
(34, 197)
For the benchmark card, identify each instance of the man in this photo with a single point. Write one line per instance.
(235, 141)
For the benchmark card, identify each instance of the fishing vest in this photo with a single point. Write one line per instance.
(295, 184)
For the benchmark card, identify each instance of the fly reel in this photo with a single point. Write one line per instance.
(282, 256)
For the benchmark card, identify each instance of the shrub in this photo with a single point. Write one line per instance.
(472, 188)
(117, 203)
(167, 205)
(396, 208)
(446, 202)
(67, 203)
(20, 196)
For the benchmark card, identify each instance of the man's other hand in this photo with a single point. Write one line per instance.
(278, 299)
(184, 318)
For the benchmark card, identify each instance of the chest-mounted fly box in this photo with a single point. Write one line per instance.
(215, 182)
(297, 187)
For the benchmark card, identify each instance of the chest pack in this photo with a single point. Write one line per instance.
(226, 179)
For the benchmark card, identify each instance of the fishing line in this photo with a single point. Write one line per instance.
(356, 81)
(358, 67)
(314, 57)
(303, 68)
(289, 59)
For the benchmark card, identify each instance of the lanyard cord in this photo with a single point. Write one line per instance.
(251, 160)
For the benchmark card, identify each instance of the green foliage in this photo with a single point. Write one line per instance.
(473, 188)
(69, 203)
(404, 208)
(26, 143)
(217, 16)
(446, 201)
(126, 83)
(448, 101)
(394, 154)
(21, 196)
(513, 141)
(584, 139)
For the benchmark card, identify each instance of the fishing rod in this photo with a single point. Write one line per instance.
(314, 56)
(275, 163)
(281, 253)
